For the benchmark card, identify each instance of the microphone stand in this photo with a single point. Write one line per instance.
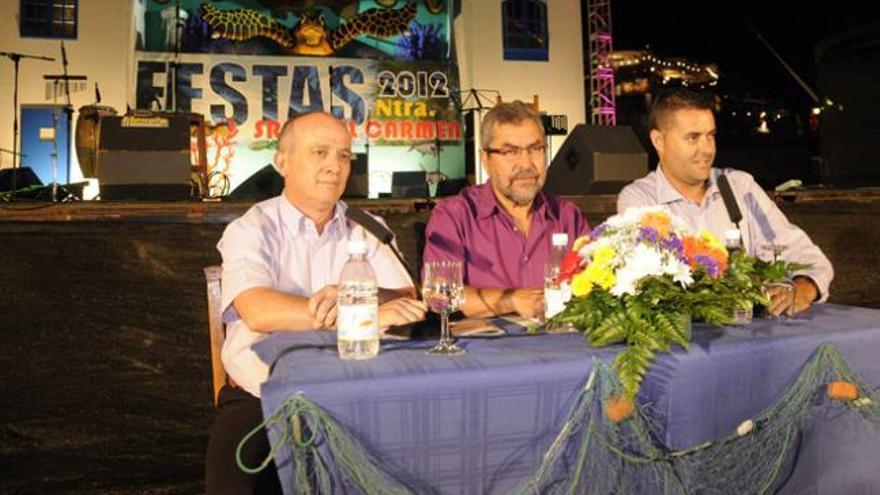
(68, 111)
(330, 70)
(16, 57)
(171, 99)
(367, 148)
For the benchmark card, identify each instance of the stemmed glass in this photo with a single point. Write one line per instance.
(783, 286)
(443, 292)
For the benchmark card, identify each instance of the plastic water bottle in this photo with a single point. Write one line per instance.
(357, 320)
(555, 294)
(733, 242)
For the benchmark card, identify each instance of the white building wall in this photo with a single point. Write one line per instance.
(558, 82)
(103, 52)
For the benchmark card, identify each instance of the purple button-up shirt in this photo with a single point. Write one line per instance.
(472, 227)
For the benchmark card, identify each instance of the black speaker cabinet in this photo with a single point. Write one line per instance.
(144, 157)
(409, 185)
(24, 178)
(359, 179)
(262, 184)
(596, 160)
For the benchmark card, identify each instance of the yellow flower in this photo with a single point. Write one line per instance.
(601, 275)
(580, 285)
(711, 240)
(603, 255)
(579, 242)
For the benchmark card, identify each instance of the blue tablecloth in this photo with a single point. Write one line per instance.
(479, 423)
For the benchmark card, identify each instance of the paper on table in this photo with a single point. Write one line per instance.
(522, 321)
(468, 327)
(475, 326)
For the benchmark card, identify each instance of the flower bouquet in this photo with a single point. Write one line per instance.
(640, 277)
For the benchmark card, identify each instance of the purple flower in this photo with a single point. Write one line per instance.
(648, 234)
(673, 243)
(599, 230)
(709, 264)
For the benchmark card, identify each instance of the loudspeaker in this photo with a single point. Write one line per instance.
(24, 178)
(596, 160)
(144, 158)
(409, 185)
(451, 187)
(263, 184)
(358, 180)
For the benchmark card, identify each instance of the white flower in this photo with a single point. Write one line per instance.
(680, 272)
(643, 261)
(626, 282)
(646, 260)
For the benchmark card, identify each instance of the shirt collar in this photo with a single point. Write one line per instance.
(487, 204)
(667, 193)
(298, 222)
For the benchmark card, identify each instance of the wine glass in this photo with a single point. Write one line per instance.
(771, 252)
(443, 292)
(782, 288)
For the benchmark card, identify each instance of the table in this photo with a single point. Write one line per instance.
(480, 423)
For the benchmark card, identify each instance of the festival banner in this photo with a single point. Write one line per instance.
(249, 65)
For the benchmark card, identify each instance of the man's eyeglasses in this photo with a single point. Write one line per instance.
(512, 152)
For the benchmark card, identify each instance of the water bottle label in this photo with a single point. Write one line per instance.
(554, 301)
(357, 321)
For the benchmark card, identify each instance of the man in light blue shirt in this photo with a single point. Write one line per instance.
(281, 262)
(683, 133)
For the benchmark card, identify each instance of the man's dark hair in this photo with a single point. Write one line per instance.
(507, 113)
(678, 99)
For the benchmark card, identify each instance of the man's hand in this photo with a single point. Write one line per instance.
(805, 292)
(528, 303)
(322, 307)
(401, 311)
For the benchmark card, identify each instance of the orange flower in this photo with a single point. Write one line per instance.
(660, 221)
(694, 248)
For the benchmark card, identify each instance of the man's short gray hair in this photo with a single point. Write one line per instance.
(507, 113)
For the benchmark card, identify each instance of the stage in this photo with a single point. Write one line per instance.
(107, 380)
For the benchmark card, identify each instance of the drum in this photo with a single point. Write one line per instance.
(88, 128)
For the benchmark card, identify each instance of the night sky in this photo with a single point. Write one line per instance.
(710, 31)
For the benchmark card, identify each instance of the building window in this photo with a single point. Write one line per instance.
(525, 30)
(48, 19)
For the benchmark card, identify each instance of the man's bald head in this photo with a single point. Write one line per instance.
(314, 156)
(289, 131)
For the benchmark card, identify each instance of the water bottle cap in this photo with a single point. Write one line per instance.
(559, 239)
(357, 246)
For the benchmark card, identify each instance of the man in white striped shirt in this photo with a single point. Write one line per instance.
(682, 127)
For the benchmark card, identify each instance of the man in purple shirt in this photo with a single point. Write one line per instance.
(683, 133)
(501, 230)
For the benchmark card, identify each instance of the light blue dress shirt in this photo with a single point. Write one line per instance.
(763, 222)
(274, 245)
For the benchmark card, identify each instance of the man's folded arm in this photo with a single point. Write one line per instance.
(267, 310)
(486, 303)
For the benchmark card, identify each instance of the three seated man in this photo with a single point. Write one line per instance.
(283, 257)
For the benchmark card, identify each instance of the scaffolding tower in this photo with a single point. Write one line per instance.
(601, 74)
